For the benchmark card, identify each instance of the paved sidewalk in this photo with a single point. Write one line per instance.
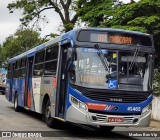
(155, 124)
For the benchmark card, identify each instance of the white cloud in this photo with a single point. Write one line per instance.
(9, 22)
(53, 25)
(7, 29)
(127, 1)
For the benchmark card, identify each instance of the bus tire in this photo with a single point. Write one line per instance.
(106, 128)
(16, 107)
(48, 119)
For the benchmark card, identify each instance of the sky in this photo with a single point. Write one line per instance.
(9, 22)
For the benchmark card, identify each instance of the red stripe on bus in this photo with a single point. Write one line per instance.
(96, 106)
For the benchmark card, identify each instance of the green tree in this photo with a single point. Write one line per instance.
(141, 16)
(94, 12)
(32, 10)
(21, 41)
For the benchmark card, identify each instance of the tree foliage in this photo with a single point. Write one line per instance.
(21, 41)
(143, 16)
(32, 11)
(94, 12)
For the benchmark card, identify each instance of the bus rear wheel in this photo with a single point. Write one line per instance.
(48, 119)
(16, 107)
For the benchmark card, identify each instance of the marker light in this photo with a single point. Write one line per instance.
(82, 105)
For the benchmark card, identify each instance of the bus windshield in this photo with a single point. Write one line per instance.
(108, 69)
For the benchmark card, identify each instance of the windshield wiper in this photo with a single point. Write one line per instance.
(134, 58)
(102, 57)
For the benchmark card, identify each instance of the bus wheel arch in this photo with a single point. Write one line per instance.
(45, 99)
(46, 111)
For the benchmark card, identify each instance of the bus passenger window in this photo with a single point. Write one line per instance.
(8, 75)
(16, 69)
(51, 60)
(51, 53)
(23, 67)
(39, 61)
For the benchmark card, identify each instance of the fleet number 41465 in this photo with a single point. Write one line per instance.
(134, 108)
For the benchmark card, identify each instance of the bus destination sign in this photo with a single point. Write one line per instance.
(106, 38)
(120, 39)
(114, 38)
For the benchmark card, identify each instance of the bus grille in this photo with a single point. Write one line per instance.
(119, 96)
(115, 97)
(126, 119)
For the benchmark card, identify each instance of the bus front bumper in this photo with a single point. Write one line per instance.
(76, 115)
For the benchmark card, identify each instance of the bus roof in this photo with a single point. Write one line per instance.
(70, 35)
(116, 30)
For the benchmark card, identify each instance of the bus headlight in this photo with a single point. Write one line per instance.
(74, 100)
(77, 103)
(147, 108)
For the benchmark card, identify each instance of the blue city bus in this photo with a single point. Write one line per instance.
(99, 77)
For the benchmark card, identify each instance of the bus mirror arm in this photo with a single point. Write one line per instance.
(71, 67)
(74, 55)
(108, 77)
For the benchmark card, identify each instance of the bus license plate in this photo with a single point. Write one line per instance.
(115, 119)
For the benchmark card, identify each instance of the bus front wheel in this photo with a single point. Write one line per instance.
(48, 119)
(16, 107)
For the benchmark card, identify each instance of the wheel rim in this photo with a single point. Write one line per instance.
(15, 103)
(48, 113)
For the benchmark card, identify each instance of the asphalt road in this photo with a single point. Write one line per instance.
(30, 121)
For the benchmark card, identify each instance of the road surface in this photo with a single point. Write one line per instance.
(29, 121)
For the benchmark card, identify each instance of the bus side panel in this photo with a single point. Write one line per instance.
(72, 113)
(15, 86)
(21, 90)
(36, 84)
(47, 85)
(8, 92)
(30, 95)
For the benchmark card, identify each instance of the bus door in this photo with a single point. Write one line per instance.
(62, 83)
(28, 82)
